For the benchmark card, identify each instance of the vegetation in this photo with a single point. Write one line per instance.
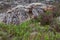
(43, 27)
(29, 30)
(32, 29)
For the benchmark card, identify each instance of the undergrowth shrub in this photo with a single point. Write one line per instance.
(45, 18)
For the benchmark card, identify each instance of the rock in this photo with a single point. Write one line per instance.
(21, 13)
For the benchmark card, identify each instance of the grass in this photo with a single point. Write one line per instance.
(25, 30)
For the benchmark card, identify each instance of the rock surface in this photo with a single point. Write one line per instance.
(18, 13)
